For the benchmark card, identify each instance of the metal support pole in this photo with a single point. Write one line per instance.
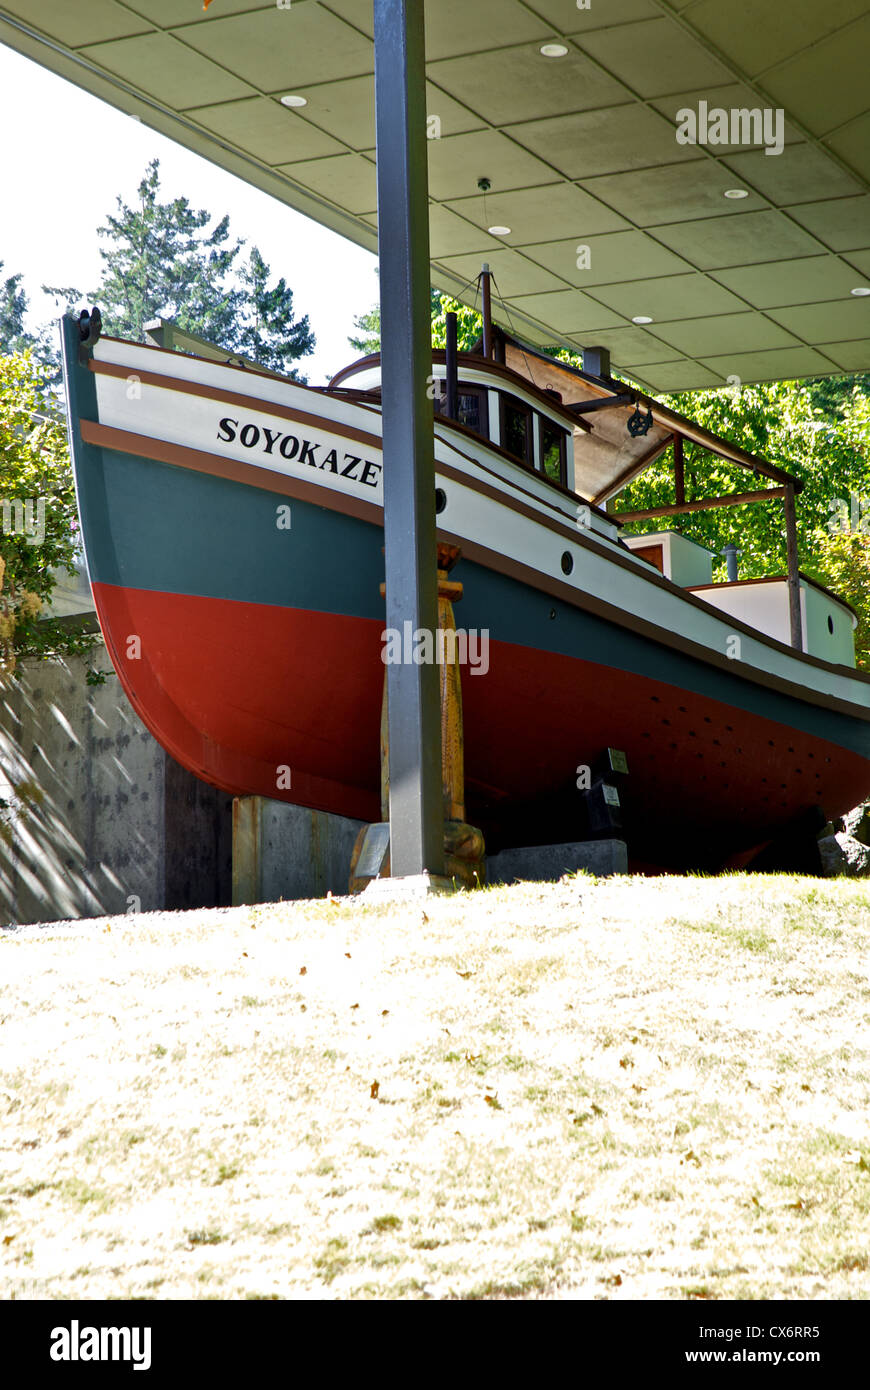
(451, 368)
(679, 471)
(794, 583)
(416, 811)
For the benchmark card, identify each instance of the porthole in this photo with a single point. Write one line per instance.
(552, 612)
(567, 562)
(830, 624)
(440, 499)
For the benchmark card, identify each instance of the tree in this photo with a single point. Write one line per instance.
(38, 518)
(13, 307)
(164, 261)
(267, 330)
(468, 327)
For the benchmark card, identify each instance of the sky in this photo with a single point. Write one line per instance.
(53, 199)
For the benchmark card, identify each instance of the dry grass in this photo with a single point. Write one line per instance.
(617, 1089)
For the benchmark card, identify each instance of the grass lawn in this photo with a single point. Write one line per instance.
(623, 1088)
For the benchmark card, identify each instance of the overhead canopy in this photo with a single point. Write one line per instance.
(580, 150)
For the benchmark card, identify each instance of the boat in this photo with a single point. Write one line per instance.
(233, 529)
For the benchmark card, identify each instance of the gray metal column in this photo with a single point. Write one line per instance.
(416, 810)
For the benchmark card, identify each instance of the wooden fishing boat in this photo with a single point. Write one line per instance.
(233, 529)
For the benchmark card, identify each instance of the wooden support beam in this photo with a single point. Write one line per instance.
(679, 471)
(794, 583)
(731, 499)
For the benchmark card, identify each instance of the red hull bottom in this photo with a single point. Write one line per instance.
(251, 697)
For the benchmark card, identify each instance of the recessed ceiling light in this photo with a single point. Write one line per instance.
(554, 50)
(498, 231)
(860, 290)
(641, 318)
(736, 192)
(293, 100)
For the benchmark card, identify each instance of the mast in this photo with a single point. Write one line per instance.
(486, 308)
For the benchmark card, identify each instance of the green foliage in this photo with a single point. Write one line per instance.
(35, 473)
(13, 306)
(842, 562)
(267, 330)
(468, 325)
(163, 260)
(779, 422)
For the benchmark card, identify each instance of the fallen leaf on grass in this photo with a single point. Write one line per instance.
(690, 1157)
(7, 1240)
(304, 970)
(373, 1093)
(465, 974)
(494, 1102)
(856, 1156)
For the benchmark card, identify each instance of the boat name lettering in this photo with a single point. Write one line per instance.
(305, 451)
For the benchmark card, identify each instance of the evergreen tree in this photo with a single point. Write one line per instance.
(267, 330)
(163, 261)
(13, 306)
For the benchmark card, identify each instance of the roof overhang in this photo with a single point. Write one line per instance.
(611, 217)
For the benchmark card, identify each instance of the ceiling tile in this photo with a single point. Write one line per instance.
(77, 25)
(827, 83)
(277, 50)
(725, 333)
(790, 282)
(165, 68)
(852, 144)
(169, 13)
(756, 34)
(761, 366)
(838, 321)
(611, 258)
(534, 213)
(267, 130)
(652, 196)
(512, 273)
(842, 224)
(519, 84)
(861, 262)
(567, 18)
(450, 235)
(606, 141)
(654, 57)
(728, 241)
(456, 162)
(679, 375)
(455, 26)
(669, 297)
(349, 180)
(851, 357)
(568, 311)
(790, 177)
(630, 345)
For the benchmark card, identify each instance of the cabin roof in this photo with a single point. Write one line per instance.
(608, 457)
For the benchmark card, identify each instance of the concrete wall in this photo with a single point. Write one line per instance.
(98, 819)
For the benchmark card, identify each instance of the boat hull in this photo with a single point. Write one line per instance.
(244, 617)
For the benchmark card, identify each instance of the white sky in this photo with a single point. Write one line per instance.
(67, 156)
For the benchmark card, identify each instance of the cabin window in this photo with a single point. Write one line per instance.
(471, 407)
(552, 451)
(516, 429)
